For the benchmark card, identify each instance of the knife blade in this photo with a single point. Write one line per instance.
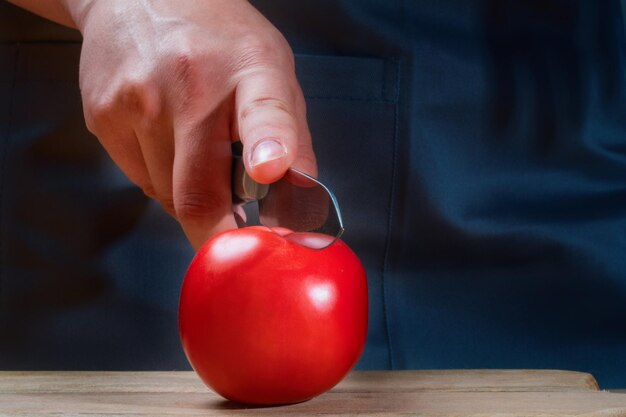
(297, 201)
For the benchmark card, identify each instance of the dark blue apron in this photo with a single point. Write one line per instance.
(477, 149)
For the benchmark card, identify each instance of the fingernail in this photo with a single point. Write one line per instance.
(267, 150)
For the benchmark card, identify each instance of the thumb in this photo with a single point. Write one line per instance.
(269, 123)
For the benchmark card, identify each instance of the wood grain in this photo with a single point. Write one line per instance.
(358, 381)
(422, 393)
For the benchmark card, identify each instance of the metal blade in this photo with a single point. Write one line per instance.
(297, 202)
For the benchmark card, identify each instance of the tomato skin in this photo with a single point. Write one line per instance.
(264, 320)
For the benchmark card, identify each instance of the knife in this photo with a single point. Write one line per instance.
(297, 202)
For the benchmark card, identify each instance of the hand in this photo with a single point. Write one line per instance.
(167, 86)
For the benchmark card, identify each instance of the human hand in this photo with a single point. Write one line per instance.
(167, 86)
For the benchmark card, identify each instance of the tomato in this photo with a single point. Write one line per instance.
(265, 320)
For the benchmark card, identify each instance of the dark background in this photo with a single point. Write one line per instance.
(477, 149)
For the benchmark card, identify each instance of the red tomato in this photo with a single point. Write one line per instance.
(265, 320)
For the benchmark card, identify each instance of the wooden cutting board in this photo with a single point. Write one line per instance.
(373, 393)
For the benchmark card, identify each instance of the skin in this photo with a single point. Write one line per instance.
(168, 85)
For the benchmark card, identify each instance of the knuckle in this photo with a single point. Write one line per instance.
(193, 205)
(90, 122)
(184, 65)
(186, 71)
(255, 51)
(99, 113)
(265, 103)
(134, 96)
(137, 95)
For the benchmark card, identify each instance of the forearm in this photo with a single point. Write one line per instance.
(65, 12)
